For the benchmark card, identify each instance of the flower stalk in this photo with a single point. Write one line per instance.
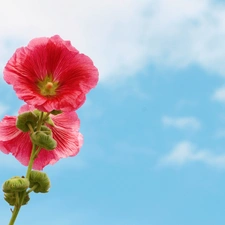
(17, 206)
(52, 78)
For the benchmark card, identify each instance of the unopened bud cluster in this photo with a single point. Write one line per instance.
(13, 188)
(17, 186)
(42, 135)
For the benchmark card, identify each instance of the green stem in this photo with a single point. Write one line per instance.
(31, 162)
(14, 214)
(40, 121)
(17, 198)
(23, 194)
(33, 188)
(33, 156)
(30, 127)
(46, 116)
(37, 152)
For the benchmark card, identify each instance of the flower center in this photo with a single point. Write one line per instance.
(48, 87)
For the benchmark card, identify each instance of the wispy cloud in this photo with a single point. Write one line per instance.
(181, 122)
(124, 36)
(186, 152)
(219, 94)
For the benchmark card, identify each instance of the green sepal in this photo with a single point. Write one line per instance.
(11, 198)
(49, 121)
(46, 119)
(24, 119)
(15, 184)
(43, 140)
(40, 181)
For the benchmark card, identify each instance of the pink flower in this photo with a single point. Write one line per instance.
(51, 74)
(65, 132)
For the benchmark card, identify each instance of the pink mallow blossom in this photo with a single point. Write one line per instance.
(51, 74)
(65, 131)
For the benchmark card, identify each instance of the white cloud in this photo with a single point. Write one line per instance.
(185, 152)
(108, 31)
(122, 36)
(3, 109)
(220, 133)
(181, 122)
(219, 95)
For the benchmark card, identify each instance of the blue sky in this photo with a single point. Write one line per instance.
(154, 127)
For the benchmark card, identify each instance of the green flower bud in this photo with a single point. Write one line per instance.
(40, 181)
(46, 130)
(24, 119)
(56, 112)
(11, 198)
(15, 184)
(40, 138)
